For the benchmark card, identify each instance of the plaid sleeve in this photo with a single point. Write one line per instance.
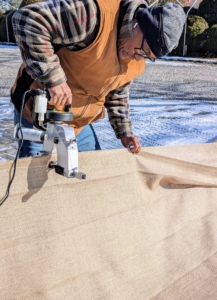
(38, 26)
(117, 105)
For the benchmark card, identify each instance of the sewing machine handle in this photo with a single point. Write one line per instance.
(67, 106)
(47, 95)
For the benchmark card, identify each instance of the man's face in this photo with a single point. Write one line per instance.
(126, 48)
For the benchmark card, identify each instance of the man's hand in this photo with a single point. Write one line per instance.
(60, 94)
(132, 143)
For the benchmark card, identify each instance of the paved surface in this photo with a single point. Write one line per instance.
(10, 61)
(163, 80)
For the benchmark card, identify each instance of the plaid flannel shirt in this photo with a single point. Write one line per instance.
(72, 24)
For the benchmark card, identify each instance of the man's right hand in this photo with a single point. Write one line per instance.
(60, 94)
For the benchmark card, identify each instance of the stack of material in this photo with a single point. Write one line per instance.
(140, 227)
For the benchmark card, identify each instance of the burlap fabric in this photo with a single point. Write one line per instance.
(140, 227)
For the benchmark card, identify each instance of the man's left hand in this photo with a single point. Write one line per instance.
(132, 143)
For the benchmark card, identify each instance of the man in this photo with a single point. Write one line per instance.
(86, 53)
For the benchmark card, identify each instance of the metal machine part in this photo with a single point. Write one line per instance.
(29, 134)
(63, 137)
(41, 115)
(54, 134)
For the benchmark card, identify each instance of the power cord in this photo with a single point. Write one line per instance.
(14, 164)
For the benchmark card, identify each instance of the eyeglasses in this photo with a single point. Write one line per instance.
(140, 51)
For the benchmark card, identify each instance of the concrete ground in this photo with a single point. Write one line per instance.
(164, 79)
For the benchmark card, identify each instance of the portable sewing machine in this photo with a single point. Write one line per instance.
(49, 129)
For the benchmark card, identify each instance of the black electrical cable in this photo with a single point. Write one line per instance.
(14, 165)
